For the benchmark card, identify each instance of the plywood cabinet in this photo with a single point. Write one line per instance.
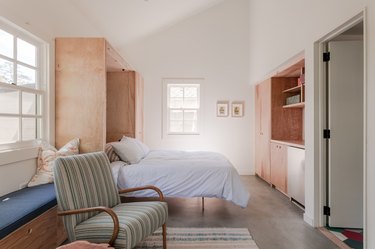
(263, 129)
(279, 169)
(125, 105)
(89, 105)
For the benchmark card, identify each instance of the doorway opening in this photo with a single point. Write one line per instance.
(342, 118)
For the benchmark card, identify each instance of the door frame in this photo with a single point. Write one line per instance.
(319, 93)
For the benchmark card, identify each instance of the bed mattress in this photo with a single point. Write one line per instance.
(183, 174)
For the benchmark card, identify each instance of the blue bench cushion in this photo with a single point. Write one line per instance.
(20, 207)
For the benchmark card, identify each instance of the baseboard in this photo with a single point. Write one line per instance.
(308, 219)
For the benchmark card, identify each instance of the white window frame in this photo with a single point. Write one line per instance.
(42, 85)
(166, 110)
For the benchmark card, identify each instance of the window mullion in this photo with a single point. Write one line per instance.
(183, 119)
(14, 60)
(20, 115)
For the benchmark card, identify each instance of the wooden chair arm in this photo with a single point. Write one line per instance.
(156, 189)
(116, 224)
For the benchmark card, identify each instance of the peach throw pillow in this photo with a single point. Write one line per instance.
(46, 158)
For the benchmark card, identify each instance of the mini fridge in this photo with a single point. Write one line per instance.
(296, 174)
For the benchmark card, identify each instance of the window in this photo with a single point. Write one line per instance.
(22, 87)
(182, 106)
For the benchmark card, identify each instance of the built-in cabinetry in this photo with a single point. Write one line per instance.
(279, 175)
(278, 124)
(263, 129)
(46, 231)
(124, 105)
(298, 90)
(98, 95)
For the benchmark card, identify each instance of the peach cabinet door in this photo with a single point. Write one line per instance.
(263, 129)
(258, 137)
(279, 169)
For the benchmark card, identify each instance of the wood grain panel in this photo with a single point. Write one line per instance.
(40, 233)
(114, 62)
(263, 129)
(120, 105)
(279, 173)
(286, 122)
(81, 92)
(139, 91)
(258, 137)
(60, 230)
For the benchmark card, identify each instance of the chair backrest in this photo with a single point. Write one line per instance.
(83, 181)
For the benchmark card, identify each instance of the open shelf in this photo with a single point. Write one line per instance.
(295, 89)
(296, 105)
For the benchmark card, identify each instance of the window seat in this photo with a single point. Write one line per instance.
(28, 213)
(20, 207)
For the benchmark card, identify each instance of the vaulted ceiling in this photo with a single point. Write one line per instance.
(125, 21)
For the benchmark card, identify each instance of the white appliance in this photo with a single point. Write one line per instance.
(296, 174)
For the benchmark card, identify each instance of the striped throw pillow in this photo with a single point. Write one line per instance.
(111, 154)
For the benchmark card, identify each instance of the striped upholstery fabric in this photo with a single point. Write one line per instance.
(85, 180)
(111, 154)
(137, 221)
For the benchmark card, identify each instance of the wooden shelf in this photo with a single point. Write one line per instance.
(295, 89)
(297, 105)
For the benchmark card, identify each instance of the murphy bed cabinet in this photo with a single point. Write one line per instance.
(278, 124)
(124, 105)
(91, 102)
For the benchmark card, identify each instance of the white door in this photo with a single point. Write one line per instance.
(345, 109)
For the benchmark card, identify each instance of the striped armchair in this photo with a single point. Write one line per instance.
(91, 208)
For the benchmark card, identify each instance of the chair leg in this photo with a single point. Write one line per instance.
(202, 204)
(164, 236)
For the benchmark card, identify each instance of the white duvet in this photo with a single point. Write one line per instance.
(183, 174)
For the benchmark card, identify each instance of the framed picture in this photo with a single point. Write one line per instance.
(237, 109)
(222, 108)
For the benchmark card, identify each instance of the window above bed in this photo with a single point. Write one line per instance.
(23, 87)
(182, 106)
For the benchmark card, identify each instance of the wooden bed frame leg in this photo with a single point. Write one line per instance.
(164, 236)
(202, 204)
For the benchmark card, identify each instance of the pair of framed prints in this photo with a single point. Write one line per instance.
(237, 109)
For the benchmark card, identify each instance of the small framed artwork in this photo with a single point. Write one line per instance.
(222, 108)
(237, 109)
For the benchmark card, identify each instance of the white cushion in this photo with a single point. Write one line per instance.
(128, 150)
(144, 147)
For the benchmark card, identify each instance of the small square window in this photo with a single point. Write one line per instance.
(182, 106)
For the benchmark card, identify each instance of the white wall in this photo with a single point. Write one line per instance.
(46, 20)
(281, 29)
(213, 45)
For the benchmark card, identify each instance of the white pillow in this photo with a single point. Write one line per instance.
(128, 150)
(144, 147)
(46, 159)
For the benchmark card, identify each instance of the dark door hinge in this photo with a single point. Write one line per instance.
(326, 210)
(326, 56)
(327, 133)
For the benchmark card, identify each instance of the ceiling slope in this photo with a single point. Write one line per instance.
(125, 21)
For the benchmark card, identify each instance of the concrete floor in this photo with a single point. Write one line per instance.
(273, 221)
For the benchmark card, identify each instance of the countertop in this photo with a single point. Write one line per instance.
(294, 143)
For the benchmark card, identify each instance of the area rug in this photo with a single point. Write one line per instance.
(352, 237)
(201, 238)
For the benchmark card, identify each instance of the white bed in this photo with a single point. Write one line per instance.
(183, 174)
